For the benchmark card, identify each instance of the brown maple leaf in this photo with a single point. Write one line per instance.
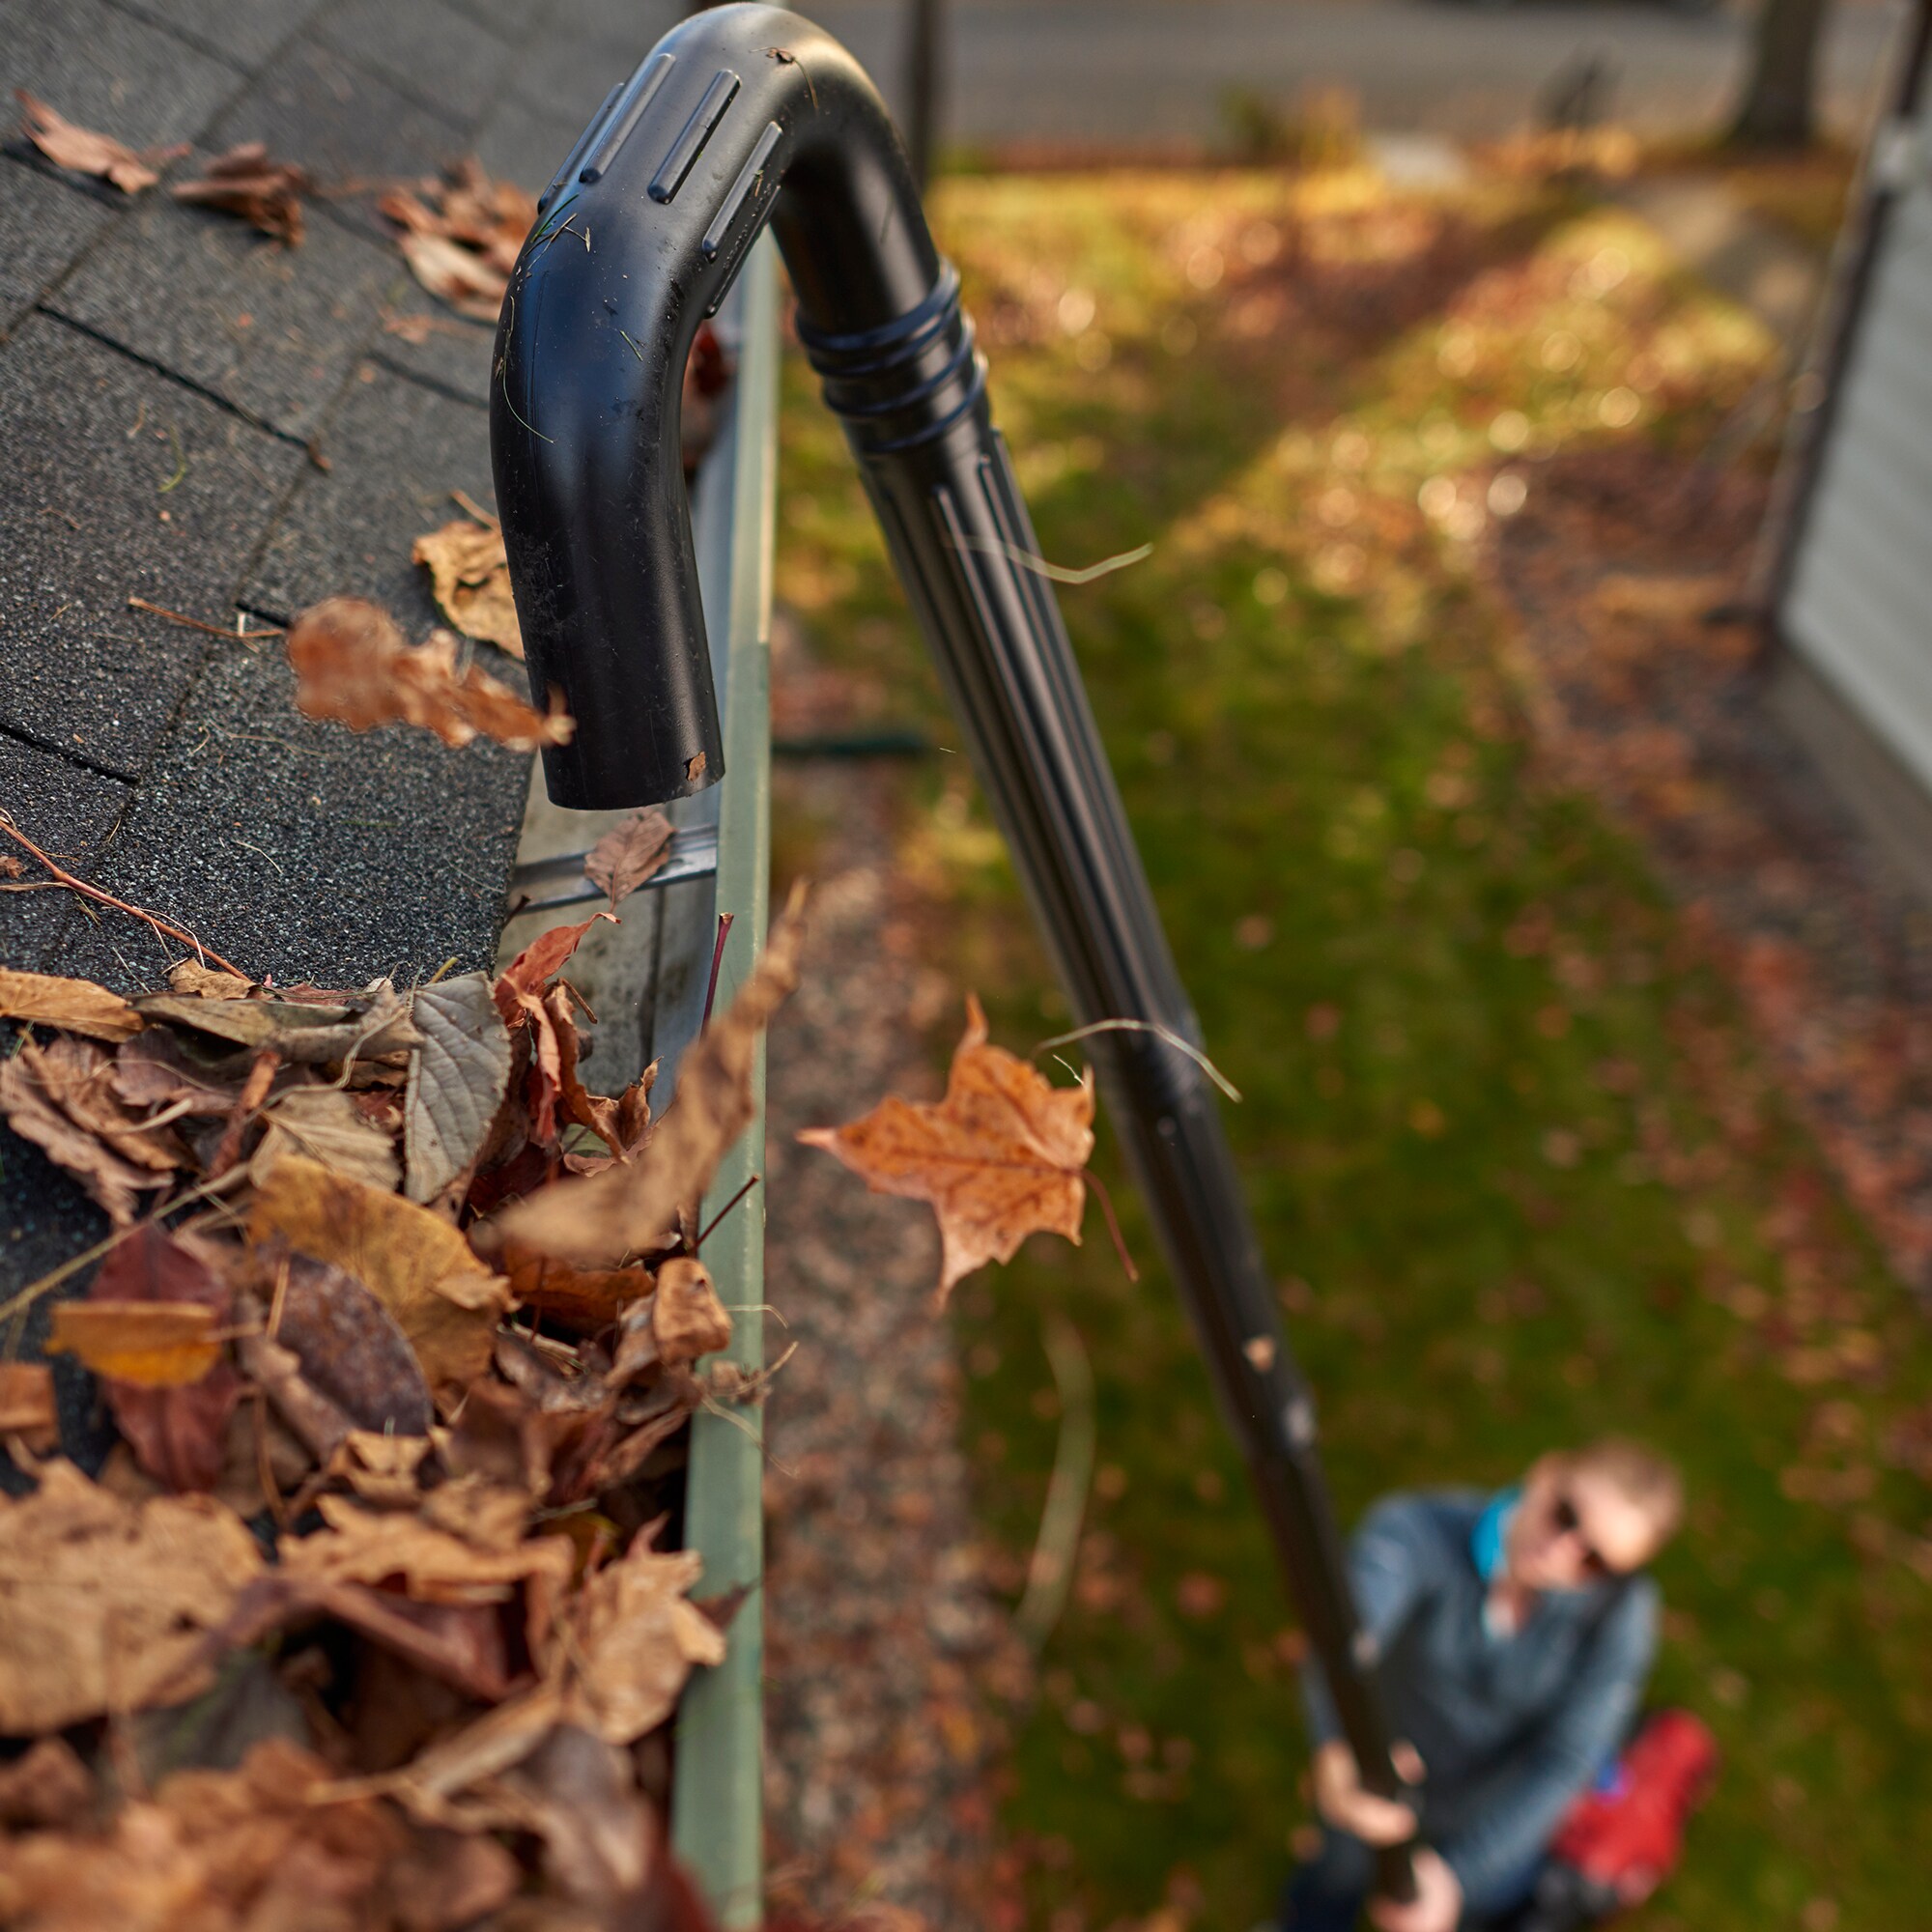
(1003, 1157)
(354, 665)
(87, 152)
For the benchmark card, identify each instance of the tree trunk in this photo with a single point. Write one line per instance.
(1779, 107)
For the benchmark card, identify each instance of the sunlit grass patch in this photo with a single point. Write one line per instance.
(1520, 1172)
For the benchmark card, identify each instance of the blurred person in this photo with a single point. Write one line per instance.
(1515, 1632)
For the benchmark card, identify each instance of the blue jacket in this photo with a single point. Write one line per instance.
(1511, 1728)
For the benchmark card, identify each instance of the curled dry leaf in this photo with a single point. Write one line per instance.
(431, 1565)
(48, 1096)
(104, 1601)
(265, 193)
(78, 1005)
(540, 961)
(686, 1317)
(27, 1404)
(466, 282)
(190, 975)
(601, 1220)
(457, 1080)
(581, 1300)
(634, 1640)
(298, 1032)
(1000, 1158)
(355, 667)
(462, 241)
(417, 1266)
(629, 853)
(470, 571)
(87, 152)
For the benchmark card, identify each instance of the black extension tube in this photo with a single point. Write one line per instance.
(740, 116)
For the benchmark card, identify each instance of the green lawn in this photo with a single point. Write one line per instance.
(1515, 1159)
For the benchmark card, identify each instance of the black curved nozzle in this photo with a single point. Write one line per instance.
(747, 114)
(739, 116)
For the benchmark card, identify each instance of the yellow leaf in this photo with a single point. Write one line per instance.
(151, 1344)
(78, 1005)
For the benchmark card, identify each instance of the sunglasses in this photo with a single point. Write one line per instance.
(1563, 1515)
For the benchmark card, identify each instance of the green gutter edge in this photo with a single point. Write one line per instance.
(716, 1798)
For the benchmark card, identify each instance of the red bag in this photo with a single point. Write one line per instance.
(1623, 1839)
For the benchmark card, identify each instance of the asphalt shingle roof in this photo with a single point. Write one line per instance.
(171, 387)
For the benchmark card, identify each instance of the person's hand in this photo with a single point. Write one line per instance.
(1437, 1903)
(1343, 1803)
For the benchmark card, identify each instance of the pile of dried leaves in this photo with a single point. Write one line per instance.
(364, 1621)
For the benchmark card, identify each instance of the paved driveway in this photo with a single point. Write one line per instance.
(1119, 72)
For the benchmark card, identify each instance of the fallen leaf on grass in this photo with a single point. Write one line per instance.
(78, 1005)
(27, 1404)
(417, 1266)
(1000, 1158)
(104, 1602)
(89, 154)
(457, 1080)
(628, 854)
(265, 193)
(602, 1219)
(633, 1642)
(355, 667)
(470, 574)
